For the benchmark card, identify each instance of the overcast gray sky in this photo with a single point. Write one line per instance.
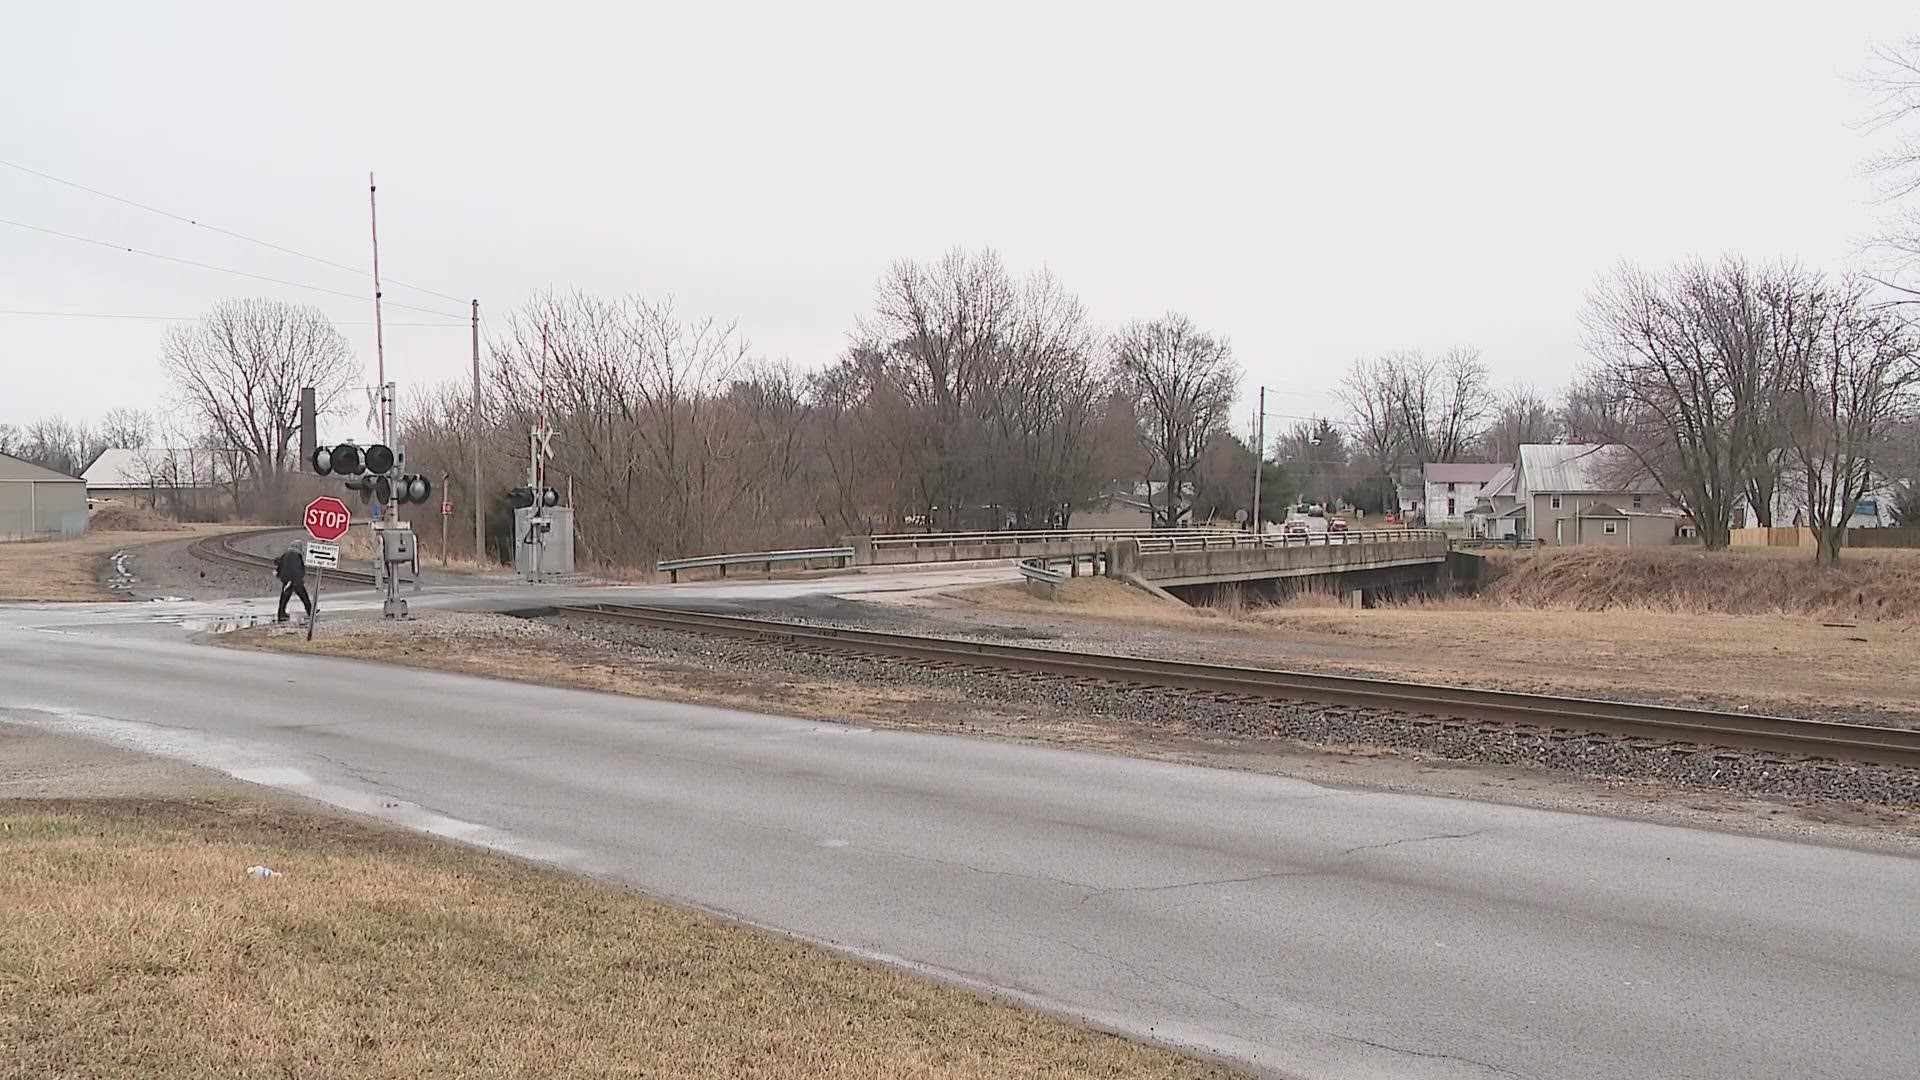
(1316, 182)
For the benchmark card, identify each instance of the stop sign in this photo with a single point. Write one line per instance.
(327, 518)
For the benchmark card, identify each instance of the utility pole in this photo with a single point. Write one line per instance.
(379, 342)
(479, 517)
(1259, 456)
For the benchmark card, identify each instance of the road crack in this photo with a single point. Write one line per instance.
(1413, 840)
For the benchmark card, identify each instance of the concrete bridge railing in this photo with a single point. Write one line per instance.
(1075, 544)
(1170, 562)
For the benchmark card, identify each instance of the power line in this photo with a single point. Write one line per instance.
(189, 318)
(210, 266)
(224, 232)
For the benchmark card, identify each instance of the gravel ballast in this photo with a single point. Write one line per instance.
(1320, 726)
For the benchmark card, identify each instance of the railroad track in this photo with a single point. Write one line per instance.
(1684, 730)
(224, 551)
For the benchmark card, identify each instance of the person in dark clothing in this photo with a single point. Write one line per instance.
(291, 569)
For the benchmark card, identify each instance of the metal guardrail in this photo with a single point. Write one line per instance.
(1037, 570)
(1160, 545)
(1470, 543)
(841, 556)
(1009, 537)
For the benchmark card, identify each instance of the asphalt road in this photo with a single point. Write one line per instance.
(1311, 931)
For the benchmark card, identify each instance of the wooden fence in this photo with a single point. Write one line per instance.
(1906, 536)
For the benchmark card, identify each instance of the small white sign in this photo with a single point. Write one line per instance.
(323, 556)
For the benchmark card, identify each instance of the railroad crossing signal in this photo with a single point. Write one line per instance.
(522, 498)
(326, 519)
(371, 473)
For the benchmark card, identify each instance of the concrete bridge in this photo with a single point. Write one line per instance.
(1072, 546)
(1365, 561)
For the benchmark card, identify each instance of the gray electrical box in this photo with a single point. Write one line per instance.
(399, 545)
(543, 541)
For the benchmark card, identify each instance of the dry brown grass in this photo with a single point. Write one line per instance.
(1775, 664)
(357, 547)
(1880, 585)
(70, 569)
(134, 945)
(1099, 597)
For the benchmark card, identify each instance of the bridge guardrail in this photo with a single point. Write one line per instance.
(841, 556)
(1011, 537)
(1037, 570)
(1151, 545)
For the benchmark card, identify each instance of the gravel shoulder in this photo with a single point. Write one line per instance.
(1860, 805)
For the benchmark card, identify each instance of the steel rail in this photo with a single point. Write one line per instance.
(1674, 724)
(221, 550)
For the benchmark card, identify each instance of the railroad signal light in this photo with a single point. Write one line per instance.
(343, 460)
(550, 497)
(379, 459)
(322, 460)
(520, 497)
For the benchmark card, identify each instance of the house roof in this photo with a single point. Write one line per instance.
(185, 467)
(1460, 472)
(1502, 482)
(13, 468)
(1601, 510)
(1577, 467)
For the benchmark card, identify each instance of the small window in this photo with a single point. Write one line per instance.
(1611, 528)
(1449, 487)
(1636, 501)
(1553, 501)
(1450, 505)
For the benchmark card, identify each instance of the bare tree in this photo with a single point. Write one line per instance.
(239, 373)
(648, 415)
(1371, 392)
(1850, 367)
(1521, 417)
(1440, 403)
(1894, 80)
(1409, 409)
(127, 429)
(981, 393)
(1183, 381)
(1315, 454)
(1681, 376)
(58, 444)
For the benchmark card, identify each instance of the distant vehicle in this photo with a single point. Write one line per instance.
(1337, 525)
(1306, 520)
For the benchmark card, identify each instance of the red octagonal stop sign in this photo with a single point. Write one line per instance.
(327, 518)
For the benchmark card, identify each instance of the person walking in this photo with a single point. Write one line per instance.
(291, 569)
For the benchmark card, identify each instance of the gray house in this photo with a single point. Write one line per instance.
(38, 502)
(1560, 487)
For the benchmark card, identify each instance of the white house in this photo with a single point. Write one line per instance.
(1872, 511)
(1451, 488)
(1496, 513)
